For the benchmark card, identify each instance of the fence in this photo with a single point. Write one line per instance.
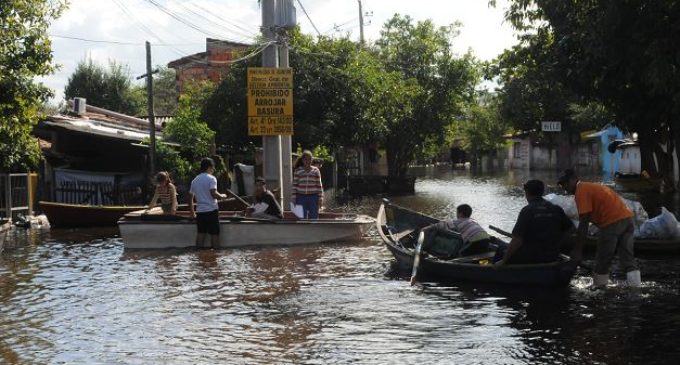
(97, 193)
(15, 195)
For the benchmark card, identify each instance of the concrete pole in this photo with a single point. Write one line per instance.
(286, 142)
(150, 108)
(271, 145)
(361, 23)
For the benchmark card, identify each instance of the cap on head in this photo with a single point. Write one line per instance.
(567, 175)
(260, 181)
(534, 187)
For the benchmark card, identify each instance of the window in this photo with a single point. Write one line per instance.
(516, 147)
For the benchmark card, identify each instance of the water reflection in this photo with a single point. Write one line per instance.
(78, 297)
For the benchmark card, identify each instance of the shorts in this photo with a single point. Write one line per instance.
(208, 222)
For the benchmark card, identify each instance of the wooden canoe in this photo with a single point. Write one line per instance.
(647, 246)
(5, 227)
(61, 215)
(394, 231)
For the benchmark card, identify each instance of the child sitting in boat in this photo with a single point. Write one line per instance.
(166, 193)
(475, 238)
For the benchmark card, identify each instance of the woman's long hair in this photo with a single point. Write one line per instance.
(299, 162)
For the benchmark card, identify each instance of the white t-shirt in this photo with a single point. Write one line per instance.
(200, 187)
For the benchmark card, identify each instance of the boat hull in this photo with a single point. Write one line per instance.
(138, 234)
(554, 274)
(79, 215)
(5, 227)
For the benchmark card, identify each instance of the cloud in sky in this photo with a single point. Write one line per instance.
(135, 21)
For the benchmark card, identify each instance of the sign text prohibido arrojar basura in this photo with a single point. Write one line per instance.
(270, 101)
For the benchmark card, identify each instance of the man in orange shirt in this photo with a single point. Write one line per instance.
(607, 211)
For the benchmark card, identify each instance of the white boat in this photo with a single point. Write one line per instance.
(5, 226)
(145, 232)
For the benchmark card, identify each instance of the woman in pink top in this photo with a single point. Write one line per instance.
(307, 187)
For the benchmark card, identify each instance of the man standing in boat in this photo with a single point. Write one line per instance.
(266, 206)
(203, 191)
(607, 211)
(539, 231)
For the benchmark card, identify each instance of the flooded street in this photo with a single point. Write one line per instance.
(77, 297)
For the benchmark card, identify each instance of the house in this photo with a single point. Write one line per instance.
(527, 150)
(600, 140)
(95, 156)
(209, 65)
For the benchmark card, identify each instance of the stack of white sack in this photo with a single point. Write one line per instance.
(664, 226)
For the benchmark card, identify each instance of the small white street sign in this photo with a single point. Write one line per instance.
(551, 126)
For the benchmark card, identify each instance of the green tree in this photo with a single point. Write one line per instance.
(622, 54)
(482, 128)
(187, 128)
(441, 85)
(165, 96)
(105, 88)
(25, 53)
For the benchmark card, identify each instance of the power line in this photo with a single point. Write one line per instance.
(184, 21)
(247, 34)
(120, 42)
(308, 18)
(206, 11)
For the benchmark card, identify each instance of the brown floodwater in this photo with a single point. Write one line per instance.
(77, 297)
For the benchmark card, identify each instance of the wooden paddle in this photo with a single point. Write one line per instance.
(238, 198)
(416, 257)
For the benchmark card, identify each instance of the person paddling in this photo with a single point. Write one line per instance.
(607, 211)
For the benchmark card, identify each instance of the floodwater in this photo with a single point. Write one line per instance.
(77, 297)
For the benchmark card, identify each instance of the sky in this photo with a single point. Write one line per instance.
(131, 22)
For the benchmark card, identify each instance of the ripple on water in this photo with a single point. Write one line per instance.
(76, 297)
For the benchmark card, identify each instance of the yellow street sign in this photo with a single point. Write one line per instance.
(270, 101)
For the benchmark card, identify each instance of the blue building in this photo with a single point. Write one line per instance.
(609, 162)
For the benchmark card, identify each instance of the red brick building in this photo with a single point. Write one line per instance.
(209, 65)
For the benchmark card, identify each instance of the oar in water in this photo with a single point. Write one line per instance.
(416, 257)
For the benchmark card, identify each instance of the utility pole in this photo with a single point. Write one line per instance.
(361, 23)
(271, 145)
(286, 141)
(149, 109)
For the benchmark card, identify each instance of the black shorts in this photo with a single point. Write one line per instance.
(208, 222)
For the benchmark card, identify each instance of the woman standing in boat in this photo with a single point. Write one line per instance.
(166, 193)
(307, 189)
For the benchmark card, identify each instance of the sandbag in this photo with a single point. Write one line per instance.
(663, 226)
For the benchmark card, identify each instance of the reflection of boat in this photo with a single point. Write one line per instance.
(63, 215)
(5, 226)
(399, 239)
(643, 245)
(154, 232)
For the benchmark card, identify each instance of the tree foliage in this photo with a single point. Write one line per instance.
(188, 129)
(108, 88)
(438, 85)
(621, 54)
(482, 128)
(165, 96)
(25, 53)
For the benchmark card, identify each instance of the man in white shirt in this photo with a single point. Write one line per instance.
(204, 192)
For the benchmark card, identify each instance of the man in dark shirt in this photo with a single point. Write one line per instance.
(539, 230)
(265, 205)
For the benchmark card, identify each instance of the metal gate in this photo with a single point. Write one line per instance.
(15, 195)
